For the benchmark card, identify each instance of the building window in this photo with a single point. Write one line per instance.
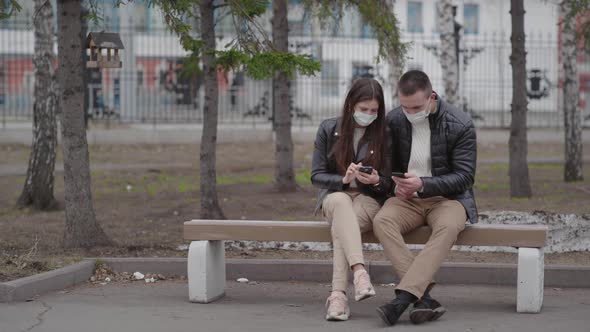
(109, 16)
(367, 31)
(436, 27)
(19, 20)
(140, 14)
(335, 27)
(2, 85)
(224, 23)
(140, 78)
(471, 18)
(300, 27)
(415, 16)
(362, 70)
(329, 78)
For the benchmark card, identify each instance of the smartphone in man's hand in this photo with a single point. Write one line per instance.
(366, 169)
(398, 174)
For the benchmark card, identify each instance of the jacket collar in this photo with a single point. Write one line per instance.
(440, 109)
(338, 127)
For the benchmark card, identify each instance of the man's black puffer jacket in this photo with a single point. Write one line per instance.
(453, 154)
(324, 172)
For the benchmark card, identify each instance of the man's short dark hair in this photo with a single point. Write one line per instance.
(413, 81)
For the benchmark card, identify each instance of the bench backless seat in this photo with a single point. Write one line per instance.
(206, 258)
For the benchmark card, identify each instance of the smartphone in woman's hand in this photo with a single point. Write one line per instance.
(366, 169)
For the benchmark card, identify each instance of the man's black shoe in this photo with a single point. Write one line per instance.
(392, 311)
(426, 310)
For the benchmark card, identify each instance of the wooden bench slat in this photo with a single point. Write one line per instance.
(532, 236)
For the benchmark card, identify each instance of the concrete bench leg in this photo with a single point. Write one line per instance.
(531, 274)
(206, 271)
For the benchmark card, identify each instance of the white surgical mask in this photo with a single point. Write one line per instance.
(363, 119)
(419, 117)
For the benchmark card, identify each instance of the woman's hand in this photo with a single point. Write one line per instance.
(365, 178)
(351, 172)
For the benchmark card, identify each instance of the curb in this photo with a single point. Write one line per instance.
(23, 289)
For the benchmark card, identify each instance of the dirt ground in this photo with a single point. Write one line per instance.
(143, 193)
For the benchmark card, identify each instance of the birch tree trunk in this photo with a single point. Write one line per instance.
(38, 187)
(572, 114)
(448, 55)
(519, 172)
(395, 72)
(284, 174)
(396, 68)
(210, 208)
(82, 228)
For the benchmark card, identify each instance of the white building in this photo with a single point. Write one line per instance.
(345, 50)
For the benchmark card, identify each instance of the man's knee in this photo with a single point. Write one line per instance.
(451, 224)
(452, 217)
(384, 221)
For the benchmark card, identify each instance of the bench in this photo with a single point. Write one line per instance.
(206, 256)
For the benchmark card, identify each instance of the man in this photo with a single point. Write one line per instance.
(434, 145)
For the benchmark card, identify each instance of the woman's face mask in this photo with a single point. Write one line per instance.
(365, 112)
(364, 119)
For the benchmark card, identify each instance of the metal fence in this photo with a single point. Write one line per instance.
(152, 87)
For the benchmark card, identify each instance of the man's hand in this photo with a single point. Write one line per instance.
(365, 178)
(351, 172)
(405, 188)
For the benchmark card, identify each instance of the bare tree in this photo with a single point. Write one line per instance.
(210, 208)
(284, 174)
(572, 114)
(38, 187)
(82, 228)
(519, 172)
(448, 56)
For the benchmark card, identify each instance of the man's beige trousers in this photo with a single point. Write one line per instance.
(399, 216)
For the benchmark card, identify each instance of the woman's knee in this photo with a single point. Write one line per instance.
(335, 201)
(337, 198)
(365, 216)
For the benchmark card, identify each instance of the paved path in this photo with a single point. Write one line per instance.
(21, 169)
(281, 306)
(8, 169)
(21, 133)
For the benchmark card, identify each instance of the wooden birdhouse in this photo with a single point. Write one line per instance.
(104, 50)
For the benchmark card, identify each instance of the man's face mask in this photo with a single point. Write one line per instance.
(420, 116)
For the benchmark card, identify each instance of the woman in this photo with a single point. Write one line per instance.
(350, 191)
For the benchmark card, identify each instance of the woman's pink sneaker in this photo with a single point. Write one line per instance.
(363, 289)
(337, 307)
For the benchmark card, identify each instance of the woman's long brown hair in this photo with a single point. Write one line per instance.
(362, 89)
